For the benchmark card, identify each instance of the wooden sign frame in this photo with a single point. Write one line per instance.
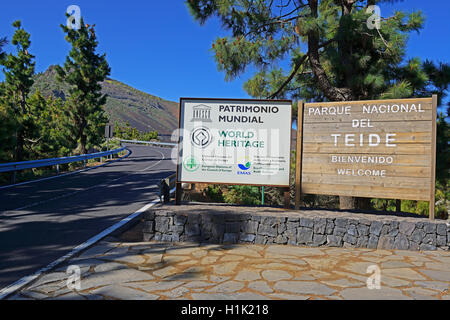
(351, 191)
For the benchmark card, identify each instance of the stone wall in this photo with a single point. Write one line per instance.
(232, 224)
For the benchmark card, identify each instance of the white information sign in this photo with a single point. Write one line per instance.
(235, 141)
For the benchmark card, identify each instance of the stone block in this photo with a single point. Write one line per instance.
(306, 222)
(417, 235)
(351, 230)
(385, 242)
(330, 226)
(232, 227)
(269, 221)
(373, 241)
(259, 239)
(176, 229)
(162, 224)
(407, 228)
(427, 247)
(393, 232)
(362, 241)
(441, 229)
(280, 239)
(149, 215)
(192, 229)
(401, 242)
(179, 220)
(349, 239)
(341, 222)
(385, 229)
(339, 231)
(441, 241)
(375, 228)
(430, 238)
(413, 246)
(292, 225)
(247, 237)
(148, 226)
(267, 230)
(250, 227)
(304, 235)
(281, 227)
(429, 227)
(363, 230)
(319, 239)
(334, 241)
(230, 238)
(320, 225)
(147, 236)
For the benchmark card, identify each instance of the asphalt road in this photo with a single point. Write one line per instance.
(42, 221)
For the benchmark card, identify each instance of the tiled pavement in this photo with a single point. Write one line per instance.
(112, 270)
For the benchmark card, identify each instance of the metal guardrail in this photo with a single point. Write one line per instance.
(17, 166)
(168, 144)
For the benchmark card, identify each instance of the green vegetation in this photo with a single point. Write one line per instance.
(83, 71)
(36, 127)
(333, 55)
(130, 133)
(62, 111)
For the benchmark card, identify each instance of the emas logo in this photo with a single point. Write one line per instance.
(244, 168)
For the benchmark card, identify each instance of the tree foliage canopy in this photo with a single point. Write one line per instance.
(332, 52)
(84, 70)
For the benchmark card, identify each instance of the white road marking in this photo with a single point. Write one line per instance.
(19, 284)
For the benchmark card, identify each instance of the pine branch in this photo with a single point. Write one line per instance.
(291, 76)
(297, 67)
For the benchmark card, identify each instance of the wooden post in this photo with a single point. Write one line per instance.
(433, 157)
(298, 160)
(287, 198)
(178, 192)
(398, 205)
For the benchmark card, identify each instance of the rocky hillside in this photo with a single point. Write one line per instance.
(124, 103)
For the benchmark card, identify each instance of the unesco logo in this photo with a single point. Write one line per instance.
(201, 137)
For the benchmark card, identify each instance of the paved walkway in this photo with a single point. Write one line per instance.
(150, 270)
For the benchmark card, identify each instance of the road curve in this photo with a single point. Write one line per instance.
(42, 221)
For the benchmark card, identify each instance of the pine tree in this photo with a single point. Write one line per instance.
(53, 123)
(18, 71)
(333, 53)
(84, 70)
(3, 42)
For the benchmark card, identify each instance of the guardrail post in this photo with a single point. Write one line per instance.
(57, 168)
(13, 177)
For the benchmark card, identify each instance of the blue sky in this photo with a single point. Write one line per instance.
(157, 47)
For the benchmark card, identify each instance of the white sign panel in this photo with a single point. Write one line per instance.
(235, 141)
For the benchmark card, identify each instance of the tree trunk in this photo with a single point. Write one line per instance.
(347, 203)
(83, 141)
(351, 203)
(19, 147)
(332, 92)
